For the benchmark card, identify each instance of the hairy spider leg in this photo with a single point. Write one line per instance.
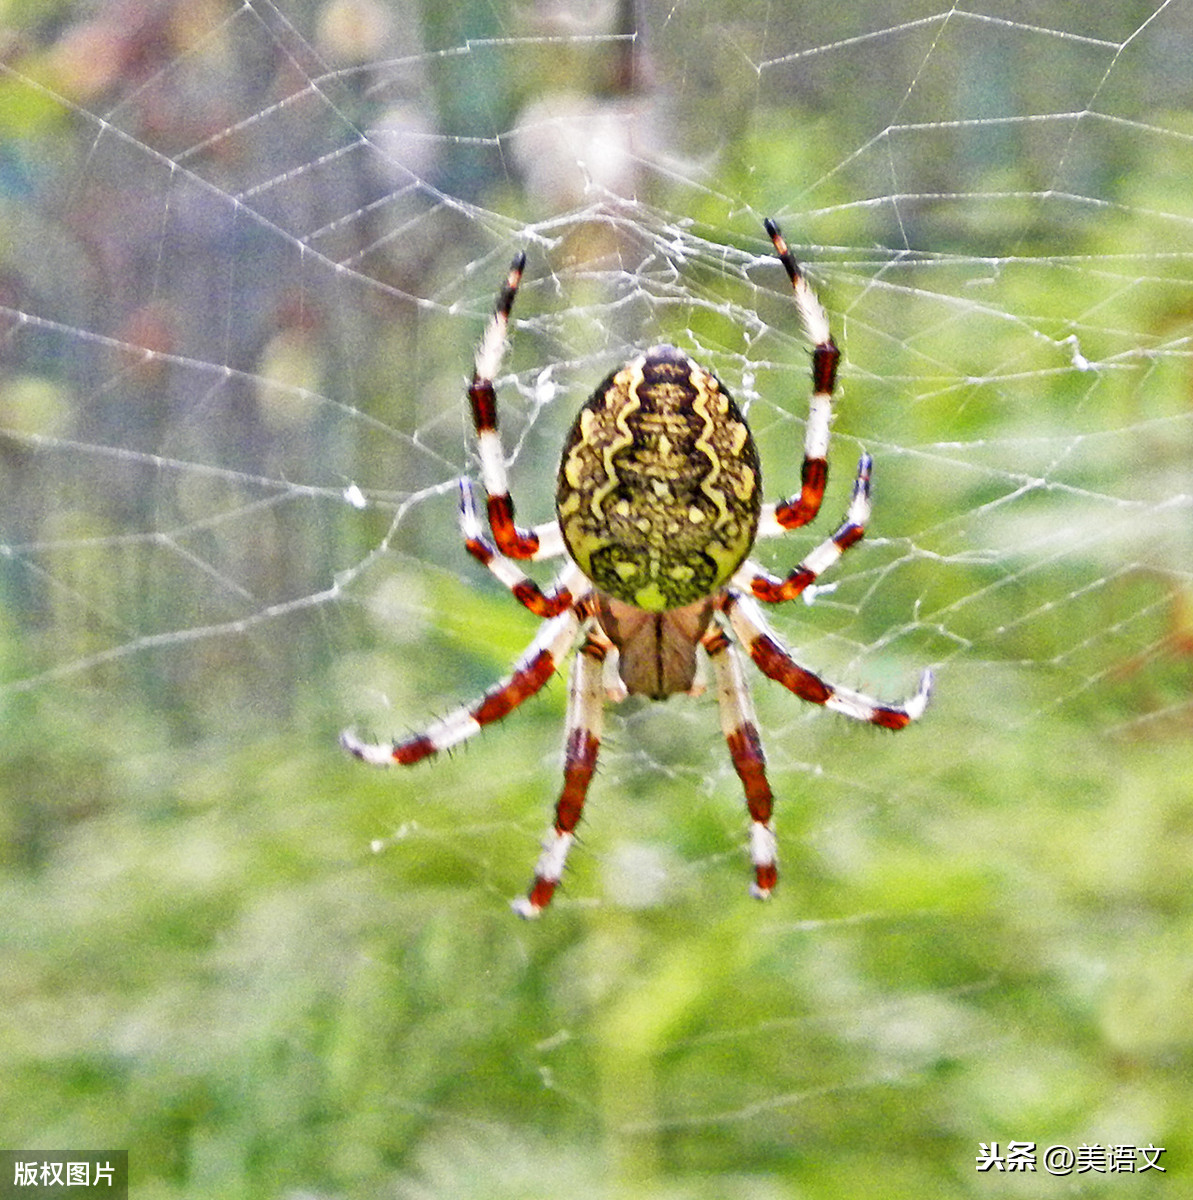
(526, 591)
(773, 590)
(740, 728)
(528, 677)
(585, 715)
(774, 660)
(799, 510)
(512, 540)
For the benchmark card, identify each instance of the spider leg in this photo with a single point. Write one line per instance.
(582, 742)
(511, 539)
(799, 510)
(745, 748)
(525, 590)
(776, 661)
(771, 589)
(530, 673)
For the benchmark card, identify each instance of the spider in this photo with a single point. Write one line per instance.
(657, 506)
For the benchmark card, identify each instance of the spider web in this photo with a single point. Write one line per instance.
(248, 250)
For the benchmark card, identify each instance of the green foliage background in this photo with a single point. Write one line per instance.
(269, 972)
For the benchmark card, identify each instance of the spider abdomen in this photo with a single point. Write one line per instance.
(658, 496)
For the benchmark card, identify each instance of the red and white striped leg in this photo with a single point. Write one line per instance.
(528, 593)
(512, 540)
(773, 659)
(530, 673)
(800, 509)
(771, 589)
(745, 748)
(583, 740)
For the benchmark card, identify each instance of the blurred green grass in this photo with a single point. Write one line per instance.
(988, 942)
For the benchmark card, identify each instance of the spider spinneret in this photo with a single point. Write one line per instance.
(658, 504)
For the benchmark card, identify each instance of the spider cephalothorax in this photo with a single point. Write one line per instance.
(658, 503)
